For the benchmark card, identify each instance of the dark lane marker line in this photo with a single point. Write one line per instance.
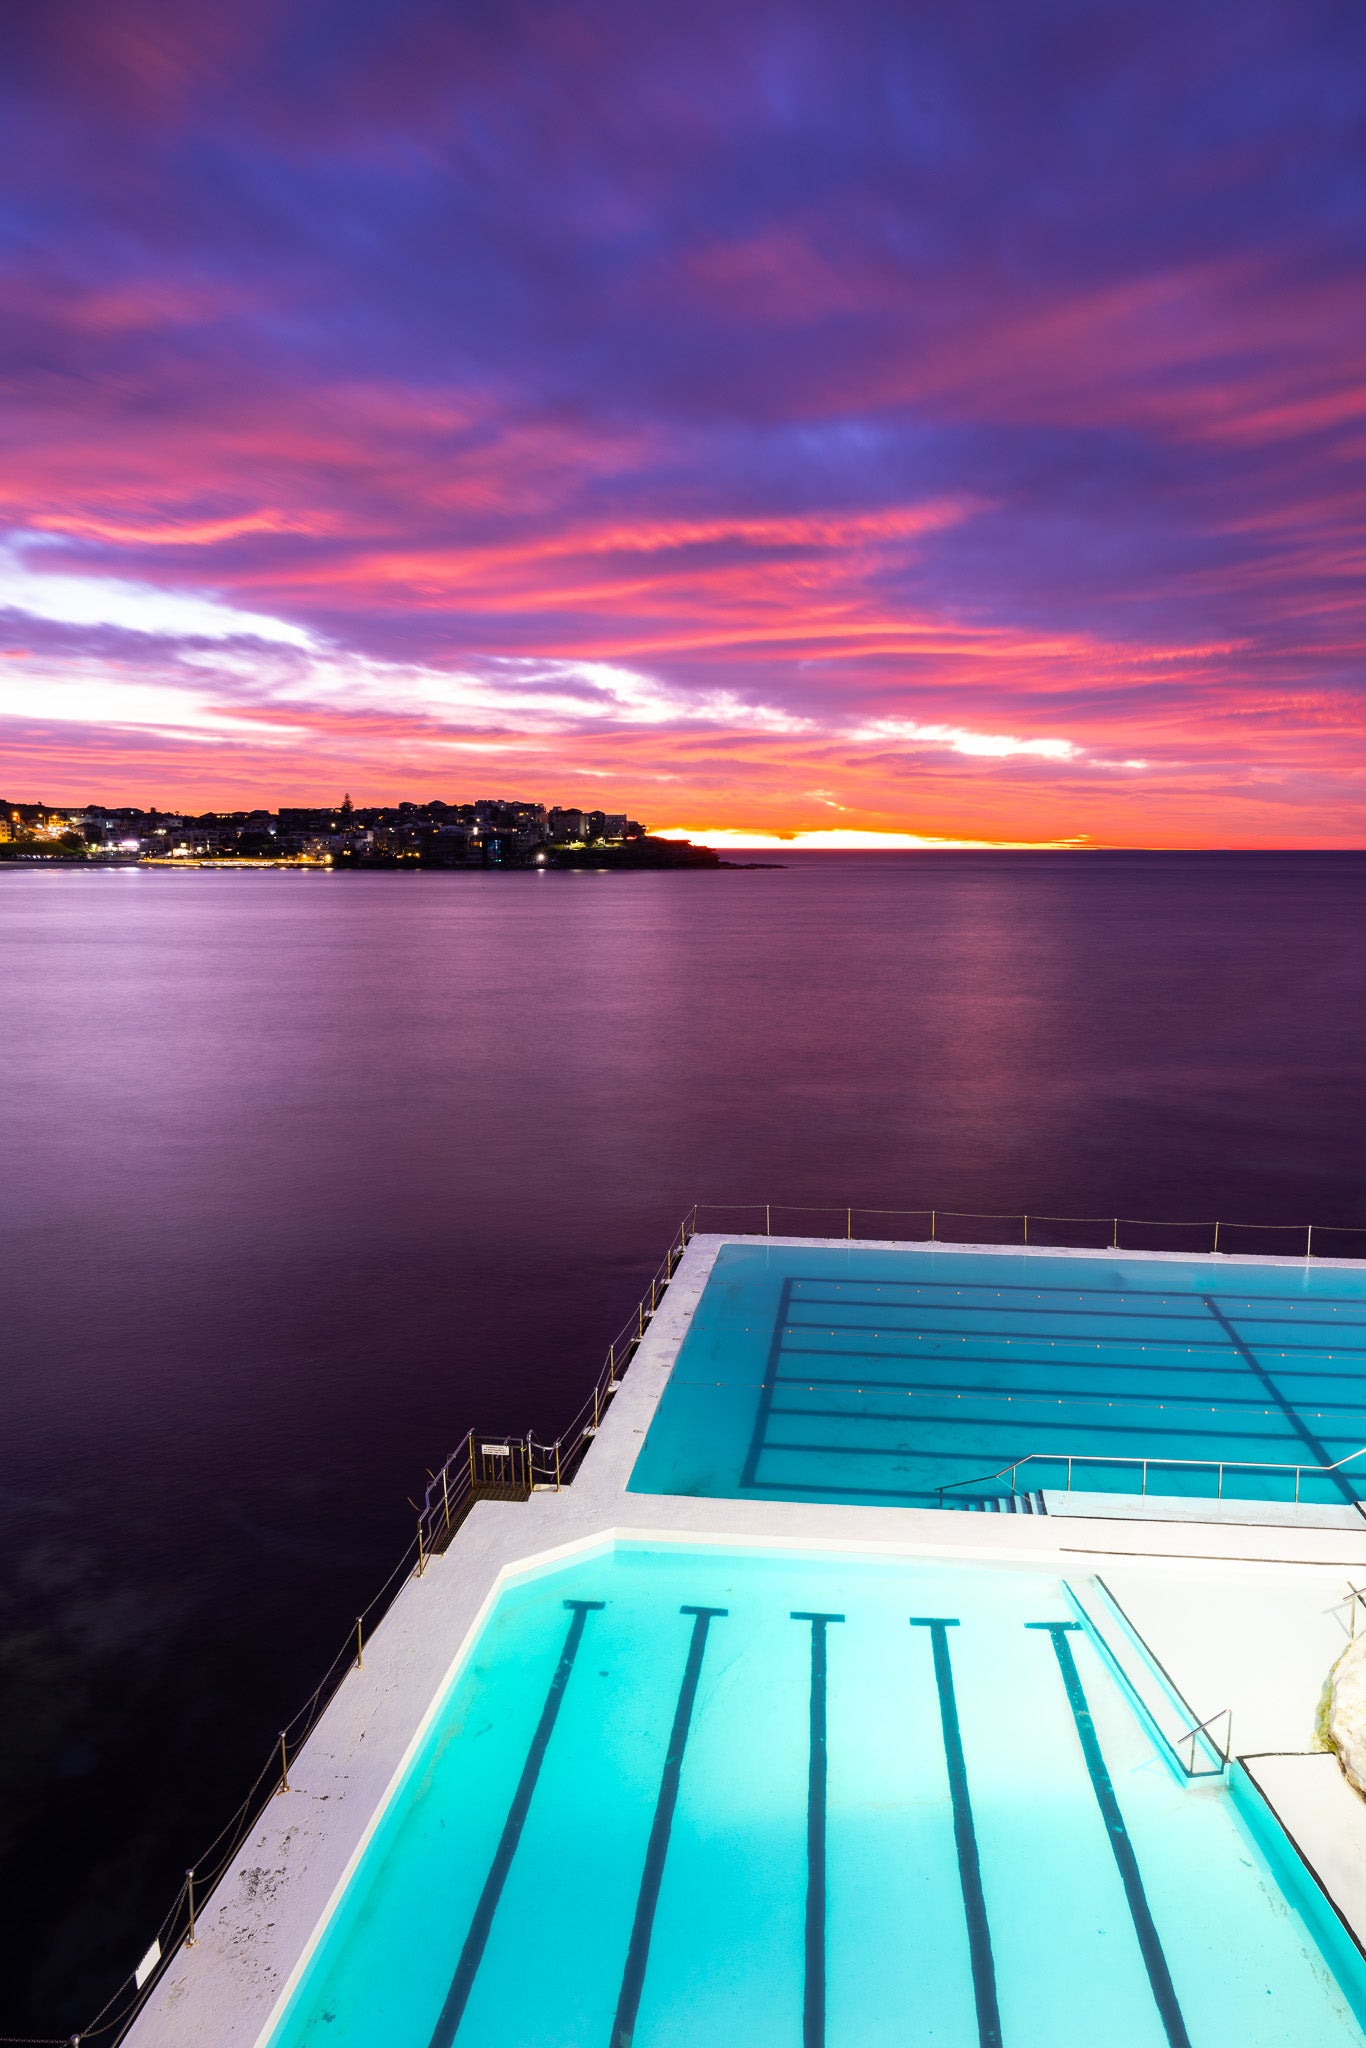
(750, 1469)
(1159, 1976)
(1034, 1289)
(813, 2001)
(965, 1836)
(1291, 1415)
(471, 1955)
(638, 1951)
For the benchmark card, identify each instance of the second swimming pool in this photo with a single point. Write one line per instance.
(829, 1373)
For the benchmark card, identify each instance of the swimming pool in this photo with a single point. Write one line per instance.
(860, 1375)
(681, 1796)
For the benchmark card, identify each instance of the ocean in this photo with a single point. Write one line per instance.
(303, 1173)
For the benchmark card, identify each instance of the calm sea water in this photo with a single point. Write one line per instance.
(301, 1174)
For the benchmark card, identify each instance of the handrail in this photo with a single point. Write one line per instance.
(485, 1464)
(936, 1218)
(1170, 1745)
(1200, 1729)
(1219, 1465)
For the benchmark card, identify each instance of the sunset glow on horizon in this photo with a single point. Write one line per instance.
(800, 420)
(854, 842)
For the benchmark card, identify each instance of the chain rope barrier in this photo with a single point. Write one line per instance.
(551, 1465)
(472, 1473)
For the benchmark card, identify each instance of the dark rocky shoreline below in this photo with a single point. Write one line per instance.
(640, 856)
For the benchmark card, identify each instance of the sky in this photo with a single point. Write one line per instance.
(944, 421)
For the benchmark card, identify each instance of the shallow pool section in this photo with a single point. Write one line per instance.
(858, 1375)
(679, 1798)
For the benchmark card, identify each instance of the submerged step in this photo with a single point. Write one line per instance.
(1188, 1750)
(999, 1503)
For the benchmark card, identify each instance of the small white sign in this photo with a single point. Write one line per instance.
(494, 1450)
(147, 1965)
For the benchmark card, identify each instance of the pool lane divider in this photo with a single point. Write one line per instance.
(638, 1949)
(817, 1779)
(1149, 1941)
(472, 1954)
(964, 1835)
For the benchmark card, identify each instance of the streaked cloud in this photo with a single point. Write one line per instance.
(67, 599)
(765, 415)
(986, 745)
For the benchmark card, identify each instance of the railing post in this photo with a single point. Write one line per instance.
(1297, 1486)
(446, 1496)
(360, 1643)
(849, 1224)
(932, 1225)
(1145, 1475)
(1069, 1475)
(283, 1785)
(640, 1320)
(421, 1556)
(1114, 1241)
(1216, 1237)
(768, 1220)
(1220, 1494)
(472, 1482)
(1309, 1242)
(191, 1939)
(557, 1464)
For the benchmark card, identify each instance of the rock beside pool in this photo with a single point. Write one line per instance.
(1347, 1712)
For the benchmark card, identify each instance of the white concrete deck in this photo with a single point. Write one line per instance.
(1243, 1615)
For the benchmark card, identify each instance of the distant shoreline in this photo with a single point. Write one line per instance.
(227, 864)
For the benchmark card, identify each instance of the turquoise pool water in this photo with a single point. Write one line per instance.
(838, 1374)
(683, 1798)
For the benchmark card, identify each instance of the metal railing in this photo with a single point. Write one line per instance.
(1143, 1466)
(1192, 1736)
(484, 1466)
(1112, 1233)
(488, 1466)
